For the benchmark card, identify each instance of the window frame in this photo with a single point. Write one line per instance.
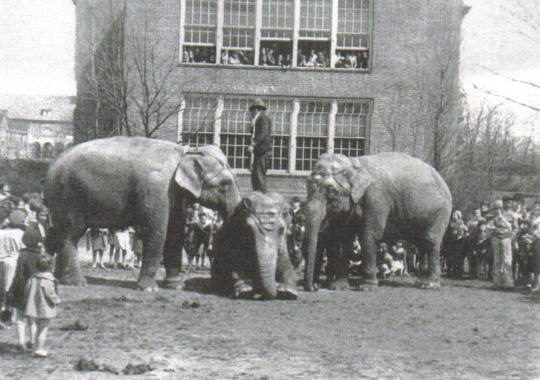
(295, 39)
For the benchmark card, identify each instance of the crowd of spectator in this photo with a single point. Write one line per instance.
(278, 56)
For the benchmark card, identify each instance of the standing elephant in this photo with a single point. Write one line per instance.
(250, 254)
(380, 197)
(134, 181)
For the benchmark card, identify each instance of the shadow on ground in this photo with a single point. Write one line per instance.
(127, 284)
(198, 284)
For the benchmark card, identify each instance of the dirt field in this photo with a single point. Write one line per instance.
(465, 330)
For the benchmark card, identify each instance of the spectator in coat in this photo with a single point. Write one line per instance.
(26, 267)
(501, 246)
(41, 225)
(41, 299)
(261, 144)
(295, 233)
(10, 246)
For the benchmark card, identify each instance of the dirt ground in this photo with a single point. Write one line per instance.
(465, 330)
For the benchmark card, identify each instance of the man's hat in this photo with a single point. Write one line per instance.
(258, 104)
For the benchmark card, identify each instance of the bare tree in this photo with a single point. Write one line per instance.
(155, 98)
(438, 88)
(105, 86)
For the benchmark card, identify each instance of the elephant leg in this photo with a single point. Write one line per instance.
(431, 250)
(173, 248)
(68, 267)
(153, 242)
(341, 263)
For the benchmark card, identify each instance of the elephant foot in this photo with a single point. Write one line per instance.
(339, 284)
(147, 285)
(173, 283)
(286, 292)
(368, 285)
(428, 284)
(243, 290)
(313, 287)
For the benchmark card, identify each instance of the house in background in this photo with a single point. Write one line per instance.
(35, 127)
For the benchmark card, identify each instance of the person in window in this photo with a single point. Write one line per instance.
(351, 61)
(224, 57)
(312, 59)
(322, 60)
(234, 59)
(264, 57)
(302, 60)
(261, 145)
(271, 58)
(338, 60)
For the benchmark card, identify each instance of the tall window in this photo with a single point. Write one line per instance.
(200, 24)
(276, 42)
(198, 120)
(238, 32)
(324, 34)
(352, 34)
(351, 125)
(279, 111)
(235, 131)
(317, 126)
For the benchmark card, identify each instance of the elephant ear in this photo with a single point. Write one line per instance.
(360, 179)
(189, 174)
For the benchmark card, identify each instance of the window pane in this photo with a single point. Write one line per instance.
(351, 126)
(351, 120)
(277, 14)
(235, 148)
(349, 147)
(238, 38)
(315, 14)
(279, 111)
(313, 118)
(280, 155)
(199, 114)
(201, 12)
(308, 150)
(235, 117)
(239, 13)
(197, 139)
(353, 16)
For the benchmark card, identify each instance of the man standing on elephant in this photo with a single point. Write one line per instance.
(261, 144)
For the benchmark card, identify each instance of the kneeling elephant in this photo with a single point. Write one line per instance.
(250, 250)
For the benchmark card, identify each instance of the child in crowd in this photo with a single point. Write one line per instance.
(122, 247)
(41, 299)
(400, 254)
(26, 267)
(96, 240)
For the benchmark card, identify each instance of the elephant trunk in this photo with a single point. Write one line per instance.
(266, 255)
(315, 212)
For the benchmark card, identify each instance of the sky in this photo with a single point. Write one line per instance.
(37, 53)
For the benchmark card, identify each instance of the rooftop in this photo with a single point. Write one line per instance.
(38, 107)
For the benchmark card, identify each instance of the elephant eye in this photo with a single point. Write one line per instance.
(225, 185)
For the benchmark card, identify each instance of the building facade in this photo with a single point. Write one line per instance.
(33, 127)
(344, 76)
